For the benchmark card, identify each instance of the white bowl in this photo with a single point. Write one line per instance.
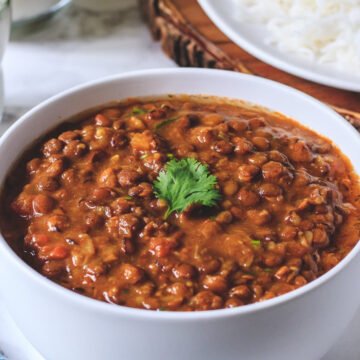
(63, 325)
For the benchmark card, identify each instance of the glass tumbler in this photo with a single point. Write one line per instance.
(5, 21)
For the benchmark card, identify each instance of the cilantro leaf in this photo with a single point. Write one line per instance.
(256, 242)
(138, 111)
(165, 122)
(185, 182)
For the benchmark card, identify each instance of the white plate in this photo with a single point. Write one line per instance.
(251, 38)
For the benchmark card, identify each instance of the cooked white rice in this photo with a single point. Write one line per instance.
(325, 31)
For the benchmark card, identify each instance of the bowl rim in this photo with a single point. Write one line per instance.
(119, 310)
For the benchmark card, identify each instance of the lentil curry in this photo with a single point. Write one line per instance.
(88, 207)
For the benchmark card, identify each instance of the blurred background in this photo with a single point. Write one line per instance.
(55, 45)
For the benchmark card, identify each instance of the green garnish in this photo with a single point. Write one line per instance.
(185, 182)
(138, 111)
(142, 157)
(128, 197)
(170, 156)
(165, 122)
(255, 242)
(268, 270)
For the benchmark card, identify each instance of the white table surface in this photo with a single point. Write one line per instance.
(73, 48)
